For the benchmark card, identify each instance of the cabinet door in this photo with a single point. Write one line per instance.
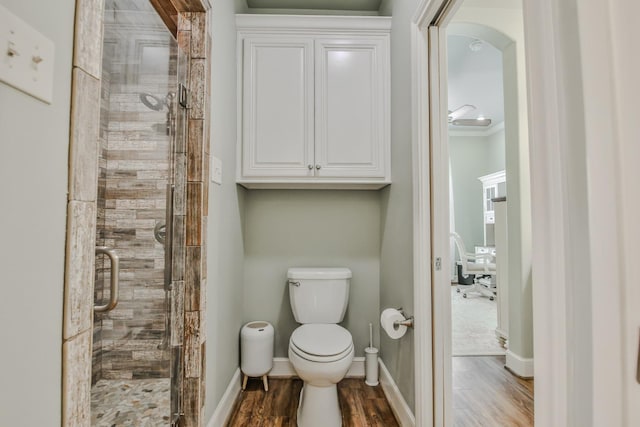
(351, 98)
(277, 107)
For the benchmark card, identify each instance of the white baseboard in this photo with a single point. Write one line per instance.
(223, 412)
(521, 366)
(398, 405)
(357, 368)
(282, 368)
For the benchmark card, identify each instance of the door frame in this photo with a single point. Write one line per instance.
(577, 382)
(432, 306)
(187, 20)
(431, 218)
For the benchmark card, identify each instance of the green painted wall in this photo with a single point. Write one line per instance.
(396, 257)
(224, 235)
(311, 228)
(472, 157)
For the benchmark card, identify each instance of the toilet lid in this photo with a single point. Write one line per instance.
(322, 340)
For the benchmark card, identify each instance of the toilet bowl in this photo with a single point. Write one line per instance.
(320, 350)
(321, 354)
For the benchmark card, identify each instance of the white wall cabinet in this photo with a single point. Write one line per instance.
(277, 107)
(314, 110)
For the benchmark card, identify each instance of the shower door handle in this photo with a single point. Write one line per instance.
(115, 279)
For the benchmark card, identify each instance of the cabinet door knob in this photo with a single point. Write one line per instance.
(310, 167)
(318, 166)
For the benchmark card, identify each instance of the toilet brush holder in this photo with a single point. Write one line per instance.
(371, 366)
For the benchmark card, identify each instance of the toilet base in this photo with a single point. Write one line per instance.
(319, 407)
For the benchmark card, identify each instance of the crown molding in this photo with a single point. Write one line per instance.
(311, 23)
(476, 132)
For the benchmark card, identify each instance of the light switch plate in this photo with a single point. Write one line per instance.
(216, 175)
(26, 57)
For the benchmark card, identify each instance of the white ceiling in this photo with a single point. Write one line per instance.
(475, 78)
(363, 5)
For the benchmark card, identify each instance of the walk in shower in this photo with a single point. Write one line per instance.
(136, 368)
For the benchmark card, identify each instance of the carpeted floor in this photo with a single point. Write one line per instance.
(474, 320)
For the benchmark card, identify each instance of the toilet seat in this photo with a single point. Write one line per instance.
(321, 342)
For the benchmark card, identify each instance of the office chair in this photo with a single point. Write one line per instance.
(478, 265)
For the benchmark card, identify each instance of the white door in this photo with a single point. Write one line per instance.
(351, 89)
(277, 107)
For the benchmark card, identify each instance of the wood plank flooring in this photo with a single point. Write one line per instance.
(361, 405)
(485, 394)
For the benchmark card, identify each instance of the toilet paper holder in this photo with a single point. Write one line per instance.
(408, 320)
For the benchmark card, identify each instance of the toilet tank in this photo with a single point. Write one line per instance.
(319, 295)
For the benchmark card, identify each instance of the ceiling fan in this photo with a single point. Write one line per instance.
(455, 119)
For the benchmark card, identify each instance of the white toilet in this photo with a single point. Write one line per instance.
(320, 350)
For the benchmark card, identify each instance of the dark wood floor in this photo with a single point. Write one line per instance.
(485, 394)
(361, 405)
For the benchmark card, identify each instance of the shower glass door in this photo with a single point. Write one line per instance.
(136, 370)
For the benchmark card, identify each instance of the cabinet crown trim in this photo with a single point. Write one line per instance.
(284, 23)
(493, 178)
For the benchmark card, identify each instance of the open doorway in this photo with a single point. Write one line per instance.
(480, 26)
(477, 177)
(482, 390)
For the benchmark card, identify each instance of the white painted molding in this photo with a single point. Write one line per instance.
(223, 410)
(477, 132)
(282, 368)
(521, 366)
(399, 406)
(544, 30)
(493, 178)
(357, 368)
(327, 184)
(423, 315)
(332, 12)
(311, 23)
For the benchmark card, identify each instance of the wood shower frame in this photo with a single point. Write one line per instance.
(188, 22)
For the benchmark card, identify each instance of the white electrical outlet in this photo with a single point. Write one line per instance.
(216, 174)
(26, 57)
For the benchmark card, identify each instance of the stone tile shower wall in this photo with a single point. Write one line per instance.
(189, 17)
(192, 174)
(136, 170)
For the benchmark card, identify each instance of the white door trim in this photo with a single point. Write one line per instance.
(550, 307)
(578, 297)
(431, 228)
(423, 356)
(551, 327)
(440, 239)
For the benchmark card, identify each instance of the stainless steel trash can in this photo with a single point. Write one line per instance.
(256, 351)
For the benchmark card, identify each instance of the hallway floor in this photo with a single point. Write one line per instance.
(473, 325)
(485, 394)
(361, 405)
